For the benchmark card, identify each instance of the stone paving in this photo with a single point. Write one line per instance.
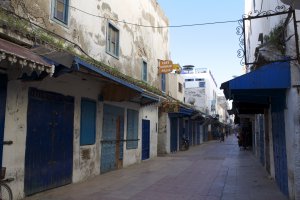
(211, 171)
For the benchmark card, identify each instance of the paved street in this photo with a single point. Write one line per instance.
(211, 171)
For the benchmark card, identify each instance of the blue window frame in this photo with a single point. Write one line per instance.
(88, 122)
(163, 82)
(60, 10)
(112, 43)
(202, 84)
(144, 71)
(132, 129)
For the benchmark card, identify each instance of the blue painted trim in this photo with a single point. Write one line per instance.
(78, 63)
(272, 76)
(89, 66)
(182, 112)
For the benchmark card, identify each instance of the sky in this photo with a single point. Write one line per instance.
(209, 46)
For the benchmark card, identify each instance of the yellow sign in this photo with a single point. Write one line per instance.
(165, 66)
(177, 68)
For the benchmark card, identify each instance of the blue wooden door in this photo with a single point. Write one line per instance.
(181, 132)
(190, 132)
(145, 139)
(279, 146)
(174, 134)
(198, 132)
(112, 138)
(261, 140)
(3, 86)
(49, 142)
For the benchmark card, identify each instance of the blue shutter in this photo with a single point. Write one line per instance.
(61, 15)
(88, 122)
(163, 82)
(144, 71)
(132, 129)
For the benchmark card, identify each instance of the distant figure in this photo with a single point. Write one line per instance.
(240, 143)
(222, 137)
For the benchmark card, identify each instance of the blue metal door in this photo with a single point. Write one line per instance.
(279, 146)
(261, 140)
(181, 132)
(174, 134)
(145, 139)
(3, 86)
(112, 138)
(49, 142)
(198, 132)
(190, 132)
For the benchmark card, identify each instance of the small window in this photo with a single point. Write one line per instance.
(199, 79)
(163, 82)
(202, 84)
(189, 79)
(88, 122)
(180, 87)
(144, 71)
(132, 129)
(112, 46)
(60, 10)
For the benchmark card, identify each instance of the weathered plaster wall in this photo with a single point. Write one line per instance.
(172, 86)
(291, 136)
(199, 95)
(163, 146)
(16, 127)
(137, 43)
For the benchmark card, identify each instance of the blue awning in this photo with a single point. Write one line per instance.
(254, 91)
(144, 98)
(271, 76)
(182, 112)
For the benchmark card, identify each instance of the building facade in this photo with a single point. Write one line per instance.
(80, 89)
(200, 89)
(265, 100)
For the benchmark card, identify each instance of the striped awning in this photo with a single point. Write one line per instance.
(28, 61)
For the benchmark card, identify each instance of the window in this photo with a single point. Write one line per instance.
(144, 71)
(163, 82)
(180, 87)
(199, 79)
(202, 84)
(88, 122)
(60, 10)
(112, 46)
(132, 129)
(189, 79)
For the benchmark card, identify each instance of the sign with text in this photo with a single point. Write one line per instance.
(165, 66)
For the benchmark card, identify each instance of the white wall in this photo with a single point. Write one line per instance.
(203, 96)
(78, 87)
(172, 88)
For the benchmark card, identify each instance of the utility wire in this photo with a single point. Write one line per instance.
(150, 26)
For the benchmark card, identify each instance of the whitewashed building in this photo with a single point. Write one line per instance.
(200, 88)
(267, 98)
(79, 88)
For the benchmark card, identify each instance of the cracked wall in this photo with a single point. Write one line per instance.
(89, 31)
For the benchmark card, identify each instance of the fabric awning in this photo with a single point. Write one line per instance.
(27, 60)
(253, 92)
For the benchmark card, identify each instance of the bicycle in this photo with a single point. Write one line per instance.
(5, 190)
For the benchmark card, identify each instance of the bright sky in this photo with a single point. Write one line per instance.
(211, 46)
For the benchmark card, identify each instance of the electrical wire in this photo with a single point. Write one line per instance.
(150, 26)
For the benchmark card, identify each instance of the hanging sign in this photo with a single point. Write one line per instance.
(177, 68)
(165, 66)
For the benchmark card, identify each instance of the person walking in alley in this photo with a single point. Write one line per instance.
(222, 137)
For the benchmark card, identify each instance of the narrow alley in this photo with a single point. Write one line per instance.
(211, 171)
